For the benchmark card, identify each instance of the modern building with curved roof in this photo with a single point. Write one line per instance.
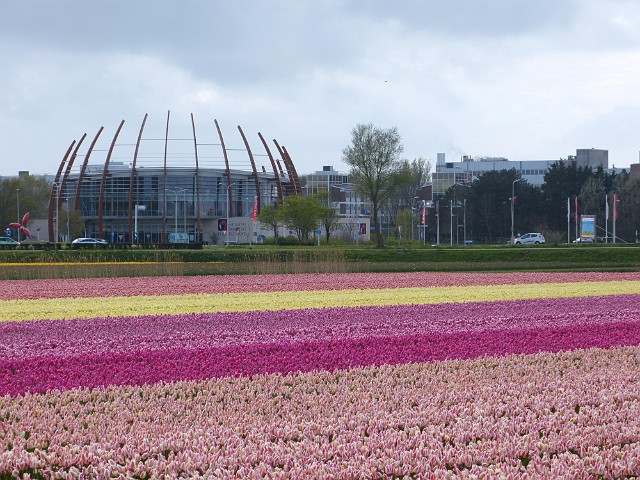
(168, 187)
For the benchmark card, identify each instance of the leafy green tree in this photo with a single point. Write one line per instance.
(405, 219)
(592, 196)
(302, 215)
(562, 181)
(329, 218)
(374, 160)
(628, 222)
(271, 216)
(409, 179)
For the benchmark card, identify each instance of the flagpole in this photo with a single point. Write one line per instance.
(615, 215)
(568, 220)
(576, 215)
(606, 218)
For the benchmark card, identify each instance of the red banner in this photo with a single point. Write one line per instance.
(254, 213)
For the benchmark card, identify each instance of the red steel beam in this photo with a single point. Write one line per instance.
(226, 161)
(197, 206)
(253, 166)
(56, 186)
(104, 178)
(133, 174)
(273, 166)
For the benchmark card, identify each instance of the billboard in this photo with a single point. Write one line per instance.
(588, 227)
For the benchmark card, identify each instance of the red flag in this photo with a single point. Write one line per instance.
(423, 215)
(615, 206)
(515, 199)
(255, 210)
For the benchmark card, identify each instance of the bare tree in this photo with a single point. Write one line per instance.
(374, 160)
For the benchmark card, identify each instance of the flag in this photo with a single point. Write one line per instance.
(615, 206)
(423, 215)
(515, 199)
(254, 213)
(568, 209)
(606, 207)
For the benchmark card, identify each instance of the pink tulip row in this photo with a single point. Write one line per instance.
(41, 356)
(547, 415)
(109, 287)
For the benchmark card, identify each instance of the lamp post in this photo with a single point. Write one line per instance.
(438, 221)
(68, 220)
(175, 191)
(140, 208)
(18, 206)
(56, 186)
(451, 224)
(226, 242)
(513, 187)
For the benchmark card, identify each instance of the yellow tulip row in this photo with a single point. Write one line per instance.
(67, 308)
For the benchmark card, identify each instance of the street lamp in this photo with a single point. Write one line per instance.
(56, 187)
(513, 186)
(140, 208)
(175, 191)
(68, 220)
(18, 205)
(228, 223)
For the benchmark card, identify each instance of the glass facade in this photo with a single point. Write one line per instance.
(165, 211)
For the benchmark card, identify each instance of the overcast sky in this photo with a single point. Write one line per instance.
(526, 80)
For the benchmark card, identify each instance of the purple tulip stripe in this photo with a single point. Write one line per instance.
(45, 355)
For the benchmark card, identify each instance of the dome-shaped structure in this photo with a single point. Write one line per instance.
(167, 188)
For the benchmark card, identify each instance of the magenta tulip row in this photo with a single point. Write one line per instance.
(108, 287)
(47, 355)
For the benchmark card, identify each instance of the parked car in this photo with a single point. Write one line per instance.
(583, 240)
(529, 238)
(8, 242)
(84, 241)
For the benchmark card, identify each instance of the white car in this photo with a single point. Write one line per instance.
(529, 239)
(583, 240)
(8, 241)
(89, 241)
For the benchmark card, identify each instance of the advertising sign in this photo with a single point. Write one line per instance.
(179, 237)
(588, 227)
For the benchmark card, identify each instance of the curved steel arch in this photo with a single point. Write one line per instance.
(253, 166)
(67, 170)
(273, 166)
(104, 179)
(76, 202)
(164, 190)
(56, 186)
(226, 161)
(296, 180)
(197, 206)
(133, 173)
(292, 181)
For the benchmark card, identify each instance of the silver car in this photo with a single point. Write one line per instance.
(89, 241)
(529, 238)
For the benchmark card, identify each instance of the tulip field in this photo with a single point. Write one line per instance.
(344, 376)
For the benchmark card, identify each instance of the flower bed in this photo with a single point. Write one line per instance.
(527, 375)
